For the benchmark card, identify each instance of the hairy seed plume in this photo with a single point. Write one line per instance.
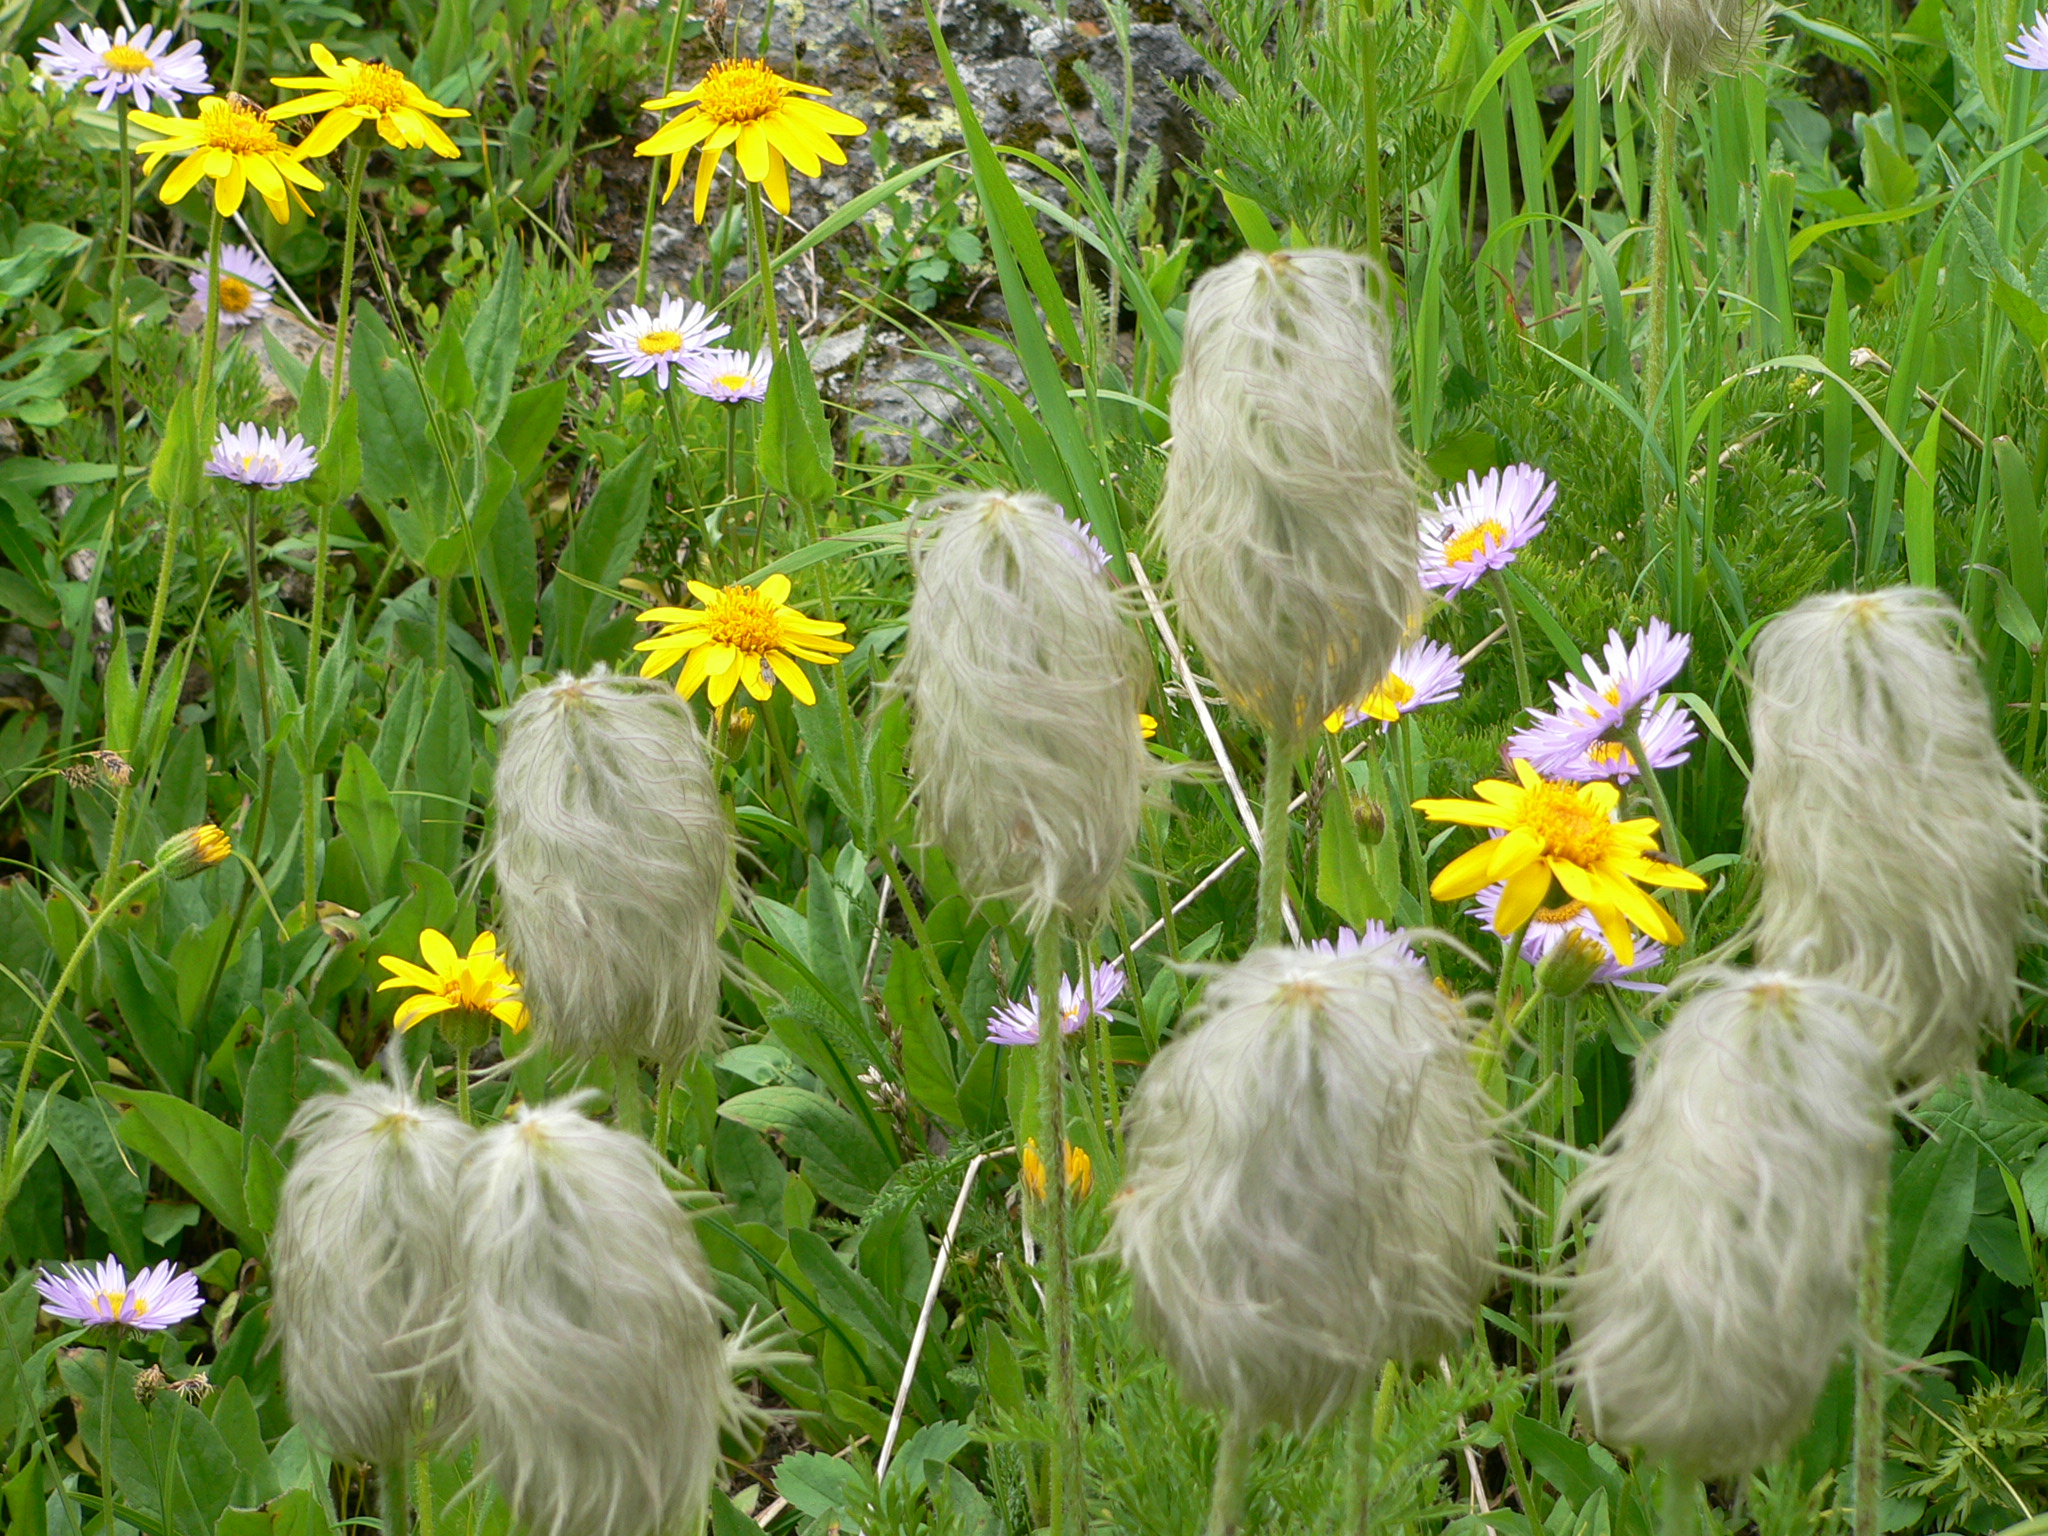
(1024, 675)
(1730, 1201)
(363, 1263)
(1312, 1188)
(590, 1354)
(1900, 851)
(612, 856)
(1289, 519)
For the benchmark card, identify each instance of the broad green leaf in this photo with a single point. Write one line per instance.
(837, 1153)
(193, 1148)
(174, 473)
(491, 344)
(1932, 1205)
(927, 1052)
(110, 1185)
(598, 553)
(796, 444)
(364, 810)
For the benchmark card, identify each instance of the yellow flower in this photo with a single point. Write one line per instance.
(1080, 1171)
(193, 851)
(231, 141)
(1565, 832)
(741, 636)
(744, 104)
(352, 93)
(478, 984)
(1148, 727)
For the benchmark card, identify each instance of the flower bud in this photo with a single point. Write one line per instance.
(193, 851)
(1370, 818)
(1080, 1171)
(1570, 964)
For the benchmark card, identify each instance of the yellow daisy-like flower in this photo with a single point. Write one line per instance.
(1567, 833)
(478, 984)
(231, 141)
(744, 105)
(352, 93)
(742, 636)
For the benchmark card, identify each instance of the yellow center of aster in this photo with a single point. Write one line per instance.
(1609, 754)
(129, 61)
(1385, 701)
(1563, 914)
(654, 343)
(376, 88)
(237, 127)
(1488, 533)
(741, 91)
(235, 295)
(732, 381)
(1569, 828)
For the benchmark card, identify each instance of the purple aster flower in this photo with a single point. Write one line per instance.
(1549, 926)
(634, 342)
(156, 1298)
(1563, 747)
(728, 375)
(1424, 672)
(246, 281)
(1632, 675)
(1016, 1023)
(251, 455)
(1376, 935)
(1087, 546)
(2030, 49)
(143, 67)
(1482, 523)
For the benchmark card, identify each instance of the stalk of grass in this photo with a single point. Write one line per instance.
(668, 84)
(1872, 1331)
(1273, 839)
(1068, 1503)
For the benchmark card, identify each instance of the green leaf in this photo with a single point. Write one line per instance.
(441, 771)
(598, 553)
(30, 1145)
(1345, 882)
(364, 810)
(838, 1156)
(491, 344)
(193, 1148)
(1920, 504)
(174, 472)
(1933, 1201)
(111, 1187)
(169, 1461)
(445, 371)
(340, 468)
(796, 444)
(927, 1052)
(2022, 530)
(851, 1299)
(532, 417)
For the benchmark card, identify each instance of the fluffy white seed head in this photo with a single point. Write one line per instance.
(1312, 1188)
(612, 857)
(1289, 519)
(1730, 1204)
(1024, 675)
(1680, 40)
(590, 1355)
(363, 1263)
(1900, 851)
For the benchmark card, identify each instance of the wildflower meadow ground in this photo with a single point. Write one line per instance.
(1010, 767)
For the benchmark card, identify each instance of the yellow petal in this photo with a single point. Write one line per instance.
(774, 589)
(438, 953)
(776, 182)
(413, 1009)
(1465, 875)
(707, 167)
(751, 150)
(227, 192)
(1521, 897)
(183, 179)
(792, 677)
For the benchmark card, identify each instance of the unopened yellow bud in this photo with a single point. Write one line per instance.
(1080, 1171)
(1573, 962)
(193, 851)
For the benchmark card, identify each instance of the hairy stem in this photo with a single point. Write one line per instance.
(462, 1085)
(628, 1105)
(107, 1435)
(1273, 839)
(1681, 1504)
(1657, 346)
(1363, 1409)
(1871, 1288)
(764, 266)
(1513, 620)
(1067, 1500)
(391, 1498)
(1226, 1494)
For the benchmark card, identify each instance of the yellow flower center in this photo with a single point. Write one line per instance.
(1609, 754)
(732, 381)
(112, 1301)
(1571, 830)
(237, 127)
(376, 87)
(741, 91)
(469, 988)
(1563, 914)
(654, 343)
(235, 295)
(130, 61)
(1385, 701)
(1475, 541)
(746, 621)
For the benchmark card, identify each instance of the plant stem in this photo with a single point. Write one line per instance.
(259, 814)
(1067, 1501)
(1509, 957)
(1872, 1285)
(209, 341)
(1363, 1408)
(117, 319)
(1514, 623)
(64, 979)
(629, 1107)
(764, 266)
(241, 43)
(1681, 1504)
(664, 1107)
(391, 1498)
(668, 83)
(1273, 838)
(107, 1436)
(1657, 346)
(1226, 1494)
(352, 209)
(424, 1471)
(462, 1085)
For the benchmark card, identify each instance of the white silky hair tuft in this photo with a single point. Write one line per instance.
(612, 855)
(590, 1358)
(1682, 40)
(1289, 518)
(1312, 1187)
(1730, 1205)
(363, 1263)
(1900, 851)
(1024, 674)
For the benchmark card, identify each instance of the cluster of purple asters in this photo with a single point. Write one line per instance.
(1583, 738)
(675, 340)
(1016, 1023)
